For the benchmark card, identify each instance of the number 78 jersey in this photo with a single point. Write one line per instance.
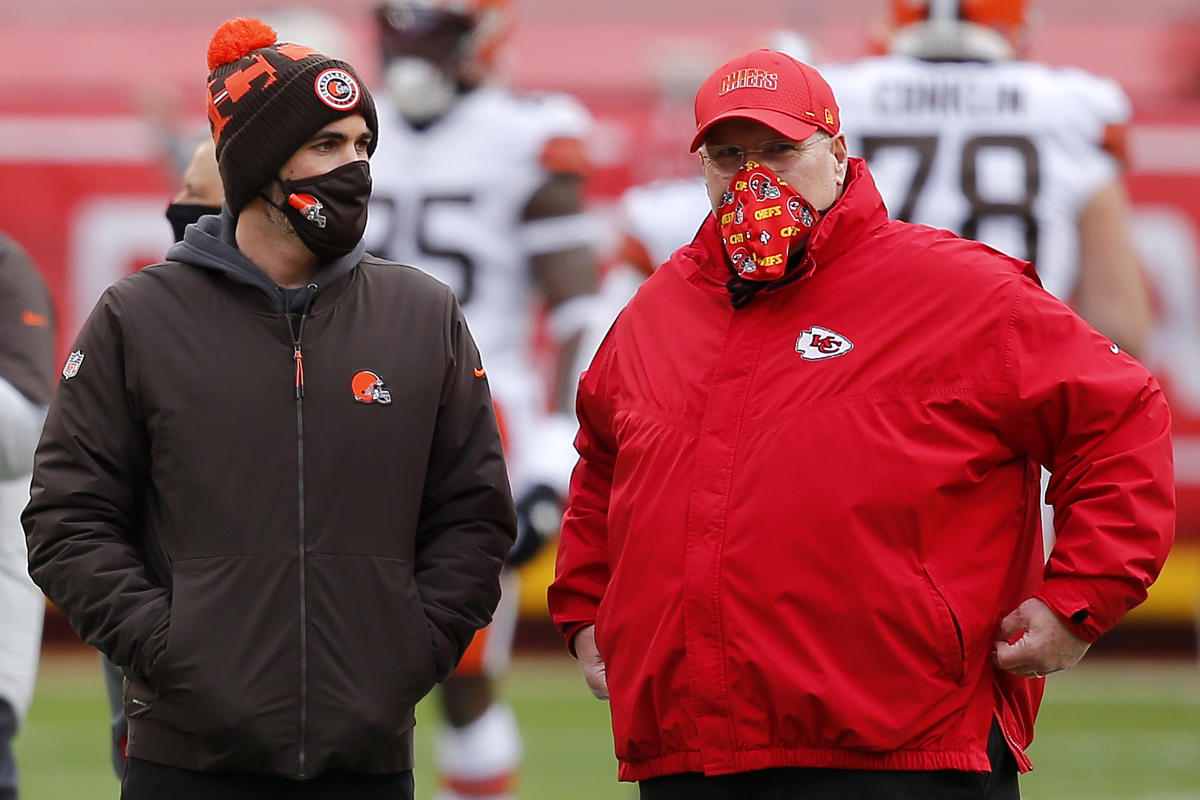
(1006, 152)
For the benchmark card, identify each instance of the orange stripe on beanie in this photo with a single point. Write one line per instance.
(267, 98)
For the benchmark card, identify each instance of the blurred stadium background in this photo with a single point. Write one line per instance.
(96, 95)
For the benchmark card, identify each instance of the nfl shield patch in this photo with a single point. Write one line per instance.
(72, 365)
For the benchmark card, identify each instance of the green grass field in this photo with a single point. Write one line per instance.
(1109, 730)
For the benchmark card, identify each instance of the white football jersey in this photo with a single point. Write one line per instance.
(449, 199)
(663, 215)
(1005, 152)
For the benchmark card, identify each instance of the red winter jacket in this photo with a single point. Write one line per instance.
(797, 525)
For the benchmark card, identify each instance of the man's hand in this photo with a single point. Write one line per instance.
(1033, 642)
(590, 662)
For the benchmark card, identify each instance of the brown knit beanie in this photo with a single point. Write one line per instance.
(266, 99)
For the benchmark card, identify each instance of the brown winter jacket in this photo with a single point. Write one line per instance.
(282, 568)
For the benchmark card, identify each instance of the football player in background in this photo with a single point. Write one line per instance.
(963, 134)
(27, 325)
(482, 188)
(667, 203)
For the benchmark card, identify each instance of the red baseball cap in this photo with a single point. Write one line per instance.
(769, 87)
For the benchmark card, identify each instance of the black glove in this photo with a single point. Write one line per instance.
(539, 516)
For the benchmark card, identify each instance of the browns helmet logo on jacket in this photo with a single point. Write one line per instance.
(367, 387)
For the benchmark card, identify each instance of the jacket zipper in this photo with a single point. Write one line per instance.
(297, 334)
(1023, 762)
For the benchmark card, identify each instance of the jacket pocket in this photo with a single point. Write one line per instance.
(951, 641)
(137, 698)
(157, 696)
(229, 670)
(371, 650)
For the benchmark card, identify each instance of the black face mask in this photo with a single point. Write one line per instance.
(180, 215)
(329, 211)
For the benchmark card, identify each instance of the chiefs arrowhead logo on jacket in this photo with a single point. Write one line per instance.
(817, 343)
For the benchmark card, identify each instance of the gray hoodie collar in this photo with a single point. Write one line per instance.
(210, 243)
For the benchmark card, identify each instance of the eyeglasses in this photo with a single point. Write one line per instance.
(726, 159)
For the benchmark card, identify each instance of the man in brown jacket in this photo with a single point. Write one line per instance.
(270, 486)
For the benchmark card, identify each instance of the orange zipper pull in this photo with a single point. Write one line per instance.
(299, 372)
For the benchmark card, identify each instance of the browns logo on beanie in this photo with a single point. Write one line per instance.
(267, 98)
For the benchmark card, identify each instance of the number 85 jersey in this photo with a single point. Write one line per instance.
(1005, 152)
(449, 199)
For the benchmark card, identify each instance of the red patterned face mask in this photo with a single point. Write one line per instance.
(763, 219)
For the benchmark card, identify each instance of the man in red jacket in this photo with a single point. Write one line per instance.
(802, 556)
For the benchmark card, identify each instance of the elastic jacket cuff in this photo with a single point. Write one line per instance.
(1089, 607)
(569, 629)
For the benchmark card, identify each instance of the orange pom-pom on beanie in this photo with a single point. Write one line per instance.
(236, 38)
(267, 98)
